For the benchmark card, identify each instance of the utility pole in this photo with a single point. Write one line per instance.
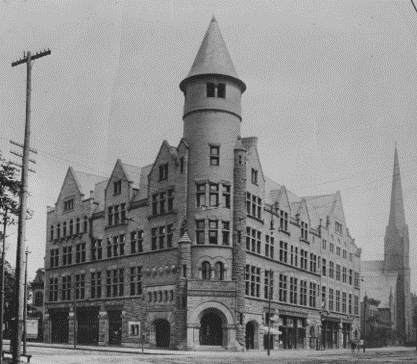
(26, 304)
(269, 311)
(21, 230)
(3, 260)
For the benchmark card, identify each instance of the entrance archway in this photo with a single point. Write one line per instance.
(250, 335)
(211, 329)
(162, 333)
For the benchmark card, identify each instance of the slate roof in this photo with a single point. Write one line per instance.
(86, 181)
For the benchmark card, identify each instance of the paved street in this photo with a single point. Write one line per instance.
(46, 355)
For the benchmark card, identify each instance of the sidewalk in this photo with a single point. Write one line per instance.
(250, 353)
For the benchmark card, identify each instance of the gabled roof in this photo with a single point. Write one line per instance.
(86, 181)
(133, 174)
(143, 185)
(213, 57)
(99, 195)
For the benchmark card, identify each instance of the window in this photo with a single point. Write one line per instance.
(323, 297)
(331, 269)
(219, 271)
(53, 289)
(109, 215)
(351, 277)
(51, 236)
(254, 176)
(67, 255)
(170, 200)
(344, 274)
(54, 258)
(97, 249)
(303, 293)
(343, 302)
(162, 202)
(201, 195)
(338, 227)
(80, 253)
(226, 232)
(269, 284)
(293, 290)
(39, 299)
(135, 281)
(269, 246)
(66, 288)
(304, 231)
(221, 90)
(252, 280)
(337, 272)
(182, 165)
(294, 256)
(331, 248)
(253, 240)
(351, 257)
(71, 227)
(214, 155)
(356, 280)
(162, 232)
(206, 271)
(155, 204)
(58, 231)
(117, 187)
(338, 251)
(337, 301)
(77, 225)
(80, 286)
(210, 88)
(283, 221)
(85, 224)
(323, 267)
(344, 254)
(331, 299)
(313, 263)
(216, 90)
(96, 285)
(312, 296)
(123, 213)
(356, 305)
(304, 259)
(214, 195)
(115, 283)
(163, 171)
(253, 206)
(170, 234)
(282, 288)
(350, 304)
(283, 251)
(226, 196)
(69, 204)
(64, 229)
(324, 244)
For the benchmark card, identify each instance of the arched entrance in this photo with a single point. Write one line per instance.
(162, 333)
(211, 329)
(250, 335)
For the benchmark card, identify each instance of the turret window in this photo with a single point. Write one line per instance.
(216, 90)
(214, 155)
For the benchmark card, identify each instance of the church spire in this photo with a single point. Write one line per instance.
(213, 58)
(396, 215)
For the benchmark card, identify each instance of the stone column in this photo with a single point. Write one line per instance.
(47, 337)
(71, 329)
(103, 329)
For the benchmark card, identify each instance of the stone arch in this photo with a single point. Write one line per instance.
(252, 335)
(212, 261)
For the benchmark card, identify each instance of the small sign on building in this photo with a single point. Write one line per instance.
(134, 328)
(32, 328)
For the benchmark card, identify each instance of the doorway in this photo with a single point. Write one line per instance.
(162, 333)
(211, 330)
(115, 327)
(250, 335)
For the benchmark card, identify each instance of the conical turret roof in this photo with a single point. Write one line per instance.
(397, 214)
(213, 58)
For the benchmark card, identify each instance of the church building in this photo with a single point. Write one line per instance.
(388, 280)
(187, 252)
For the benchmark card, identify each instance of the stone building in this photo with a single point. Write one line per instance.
(183, 251)
(388, 280)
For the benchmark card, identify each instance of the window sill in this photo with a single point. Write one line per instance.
(172, 212)
(256, 218)
(286, 232)
(304, 241)
(120, 224)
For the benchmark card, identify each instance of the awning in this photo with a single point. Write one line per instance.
(272, 331)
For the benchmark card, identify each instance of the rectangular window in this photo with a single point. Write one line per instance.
(170, 200)
(115, 283)
(213, 232)
(313, 263)
(214, 155)
(331, 299)
(221, 90)
(54, 258)
(344, 254)
(351, 277)
(337, 301)
(293, 290)
(53, 289)
(356, 306)
(254, 176)
(350, 304)
(117, 187)
(304, 231)
(182, 165)
(253, 240)
(154, 238)
(323, 267)
(312, 296)
(214, 195)
(163, 171)
(123, 213)
(116, 215)
(170, 234)
(69, 205)
(282, 288)
(344, 274)
(96, 249)
(67, 256)
(269, 246)
(210, 88)
(155, 204)
(109, 215)
(226, 232)
(162, 232)
(331, 248)
(96, 285)
(331, 269)
(201, 195)
(351, 257)
(200, 231)
(253, 206)
(283, 252)
(303, 293)
(343, 302)
(252, 280)
(80, 253)
(283, 221)
(80, 286)
(338, 227)
(269, 284)
(135, 281)
(66, 288)
(323, 297)
(324, 244)
(338, 251)
(337, 272)
(162, 202)
(356, 280)
(226, 196)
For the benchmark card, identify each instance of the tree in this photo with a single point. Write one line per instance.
(9, 191)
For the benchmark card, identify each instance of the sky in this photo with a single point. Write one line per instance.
(331, 86)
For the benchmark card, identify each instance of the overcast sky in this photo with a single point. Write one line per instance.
(331, 87)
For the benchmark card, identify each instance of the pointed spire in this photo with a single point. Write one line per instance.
(213, 58)
(396, 214)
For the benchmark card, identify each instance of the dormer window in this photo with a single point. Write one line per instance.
(216, 90)
(117, 187)
(254, 176)
(163, 171)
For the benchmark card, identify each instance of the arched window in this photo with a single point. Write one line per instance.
(58, 231)
(52, 232)
(206, 270)
(85, 224)
(77, 225)
(64, 229)
(71, 227)
(219, 271)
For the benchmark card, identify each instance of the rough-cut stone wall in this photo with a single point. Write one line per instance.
(239, 223)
